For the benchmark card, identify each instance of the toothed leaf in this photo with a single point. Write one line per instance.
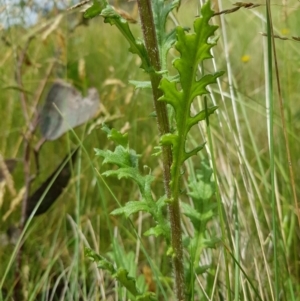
(140, 84)
(116, 136)
(101, 262)
(131, 208)
(194, 48)
(95, 9)
(122, 157)
(161, 10)
(157, 231)
(136, 46)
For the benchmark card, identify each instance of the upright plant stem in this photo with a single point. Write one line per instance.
(26, 160)
(271, 146)
(283, 122)
(149, 33)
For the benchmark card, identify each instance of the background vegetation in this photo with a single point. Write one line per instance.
(95, 54)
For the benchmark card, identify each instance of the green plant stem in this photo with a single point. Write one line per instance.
(283, 122)
(150, 38)
(271, 146)
(221, 210)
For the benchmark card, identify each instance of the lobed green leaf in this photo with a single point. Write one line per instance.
(127, 161)
(194, 48)
(95, 9)
(116, 136)
(101, 262)
(202, 188)
(121, 156)
(135, 46)
(127, 281)
(120, 275)
(141, 84)
(157, 231)
(131, 208)
(161, 10)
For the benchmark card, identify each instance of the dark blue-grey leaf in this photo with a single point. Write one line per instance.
(54, 185)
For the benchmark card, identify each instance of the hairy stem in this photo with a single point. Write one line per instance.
(149, 33)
